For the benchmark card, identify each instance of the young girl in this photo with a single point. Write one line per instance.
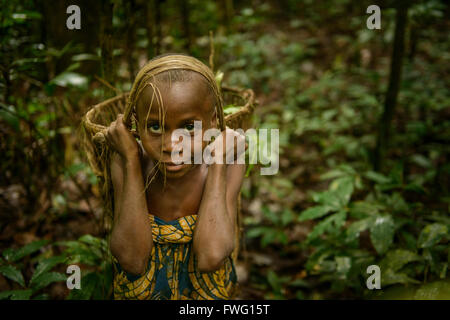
(174, 225)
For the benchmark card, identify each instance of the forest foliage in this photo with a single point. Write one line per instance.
(320, 76)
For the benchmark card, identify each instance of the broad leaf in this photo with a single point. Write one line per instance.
(45, 266)
(91, 240)
(357, 227)
(328, 198)
(343, 188)
(377, 177)
(396, 259)
(314, 213)
(343, 265)
(333, 222)
(431, 235)
(439, 290)
(14, 255)
(392, 263)
(256, 232)
(12, 273)
(390, 277)
(382, 233)
(72, 79)
(47, 278)
(229, 109)
(16, 294)
(287, 216)
(88, 284)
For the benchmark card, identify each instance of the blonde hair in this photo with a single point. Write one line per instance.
(147, 76)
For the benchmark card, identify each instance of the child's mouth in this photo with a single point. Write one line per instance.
(172, 167)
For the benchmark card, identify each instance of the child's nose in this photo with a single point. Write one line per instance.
(170, 143)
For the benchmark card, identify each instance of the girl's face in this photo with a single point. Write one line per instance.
(183, 103)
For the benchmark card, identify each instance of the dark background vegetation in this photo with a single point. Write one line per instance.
(364, 137)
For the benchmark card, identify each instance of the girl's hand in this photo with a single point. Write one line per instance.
(122, 140)
(232, 144)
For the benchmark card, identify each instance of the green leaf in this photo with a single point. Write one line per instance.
(333, 222)
(287, 216)
(357, 227)
(14, 255)
(12, 273)
(343, 188)
(377, 177)
(393, 262)
(382, 233)
(10, 117)
(47, 278)
(90, 240)
(431, 235)
(343, 265)
(256, 232)
(26, 15)
(396, 174)
(269, 237)
(439, 290)
(390, 277)
(229, 109)
(273, 280)
(299, 283)
(421, 161)
(70, 79)
(5, 295)
(42, 296)
(362, 209)
(16, 294)
(314, 213)
(396, 259)
(328, 198)
(45, 266)
(85, 56)
(332, 174)
(342, 170)
(88, 284)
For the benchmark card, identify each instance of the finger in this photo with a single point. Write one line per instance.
(112, 126)
(122, 120)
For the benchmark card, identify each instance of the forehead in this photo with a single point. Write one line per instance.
(180, 99)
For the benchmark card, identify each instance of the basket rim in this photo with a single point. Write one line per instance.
(247, 94)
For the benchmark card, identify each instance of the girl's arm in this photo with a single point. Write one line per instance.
(214, 233)
(131, 237)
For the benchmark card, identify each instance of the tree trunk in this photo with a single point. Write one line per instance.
(394, 85)
(131, 13)
(149, 25)
(158, 27)
(185, 21)
(106, 41)
(226, 9)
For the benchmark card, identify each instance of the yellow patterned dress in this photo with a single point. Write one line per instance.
(172, 272)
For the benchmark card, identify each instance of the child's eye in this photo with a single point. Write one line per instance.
(189, 127)
(154, 128)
